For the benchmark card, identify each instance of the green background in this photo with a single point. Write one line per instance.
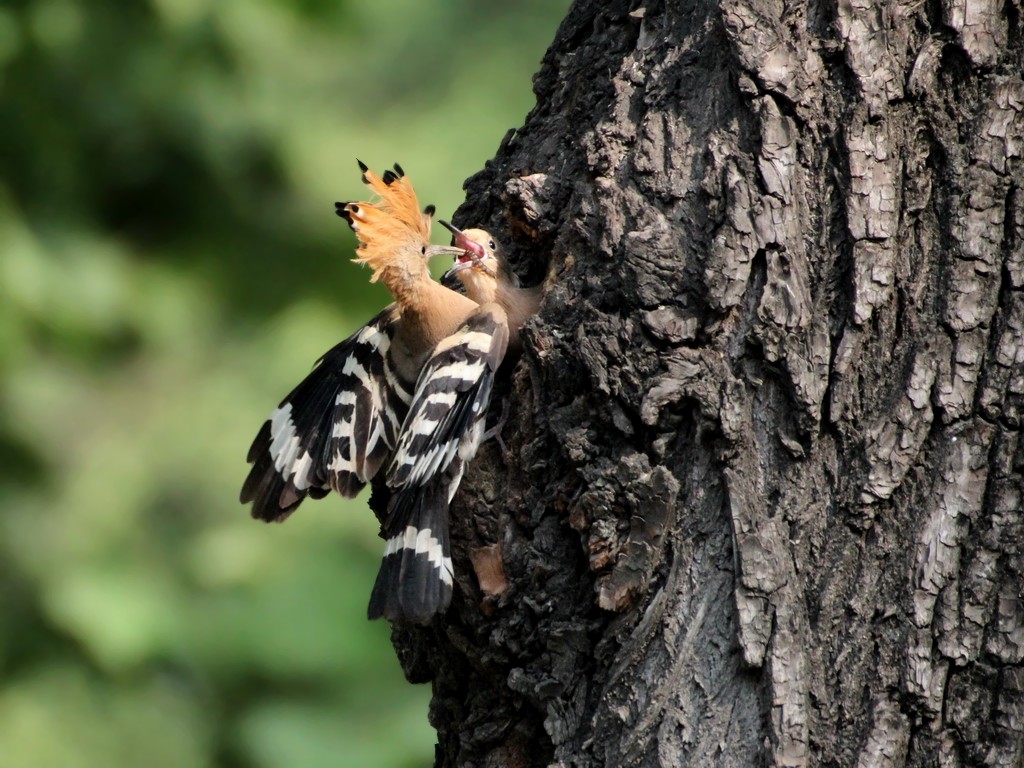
(170, 266)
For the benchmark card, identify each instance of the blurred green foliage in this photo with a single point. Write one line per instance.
(170, 265)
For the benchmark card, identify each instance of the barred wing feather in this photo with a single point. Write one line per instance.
(333, 430)
(440, 434)
(449, 406)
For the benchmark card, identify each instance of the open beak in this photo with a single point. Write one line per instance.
(461, 241)
(471, 253)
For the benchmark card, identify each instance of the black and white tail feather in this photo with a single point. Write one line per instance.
(416, 575)
(440, 435)
(334, 430)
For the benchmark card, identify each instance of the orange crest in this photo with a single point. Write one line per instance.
(390, 228)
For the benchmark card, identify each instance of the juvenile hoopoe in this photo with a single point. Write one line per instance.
(338, 426)
(447, 417)
(481, 266)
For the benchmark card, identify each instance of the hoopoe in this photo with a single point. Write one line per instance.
(335, 430)
(482, 268)
(446, 420)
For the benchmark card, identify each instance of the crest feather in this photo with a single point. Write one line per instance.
(391, 227)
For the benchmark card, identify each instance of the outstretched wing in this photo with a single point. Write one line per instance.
(449, 406)
(334, 430)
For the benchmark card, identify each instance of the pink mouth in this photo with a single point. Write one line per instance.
(472, 255)
(459, 240)
(473, 249)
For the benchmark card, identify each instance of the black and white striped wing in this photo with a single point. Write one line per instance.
(441, 433)
(333, 430)
(368, 410)
(449, 407)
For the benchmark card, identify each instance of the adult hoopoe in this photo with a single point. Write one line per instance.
(338, 426)
(447, 417)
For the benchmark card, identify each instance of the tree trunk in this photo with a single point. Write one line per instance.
(762, 498)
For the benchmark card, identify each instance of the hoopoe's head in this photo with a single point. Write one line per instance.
(393, 233)
(480, 264)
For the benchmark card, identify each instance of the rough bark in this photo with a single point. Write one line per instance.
(762, 501)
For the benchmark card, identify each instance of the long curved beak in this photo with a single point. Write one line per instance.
(457, 267)
(442, 250)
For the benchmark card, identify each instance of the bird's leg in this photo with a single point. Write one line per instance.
(495, 431)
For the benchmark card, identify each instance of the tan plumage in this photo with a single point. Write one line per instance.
(394, 241)
(337, 427)
(380, 397)
(485, 272)
(445, 425)
(393, 233)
